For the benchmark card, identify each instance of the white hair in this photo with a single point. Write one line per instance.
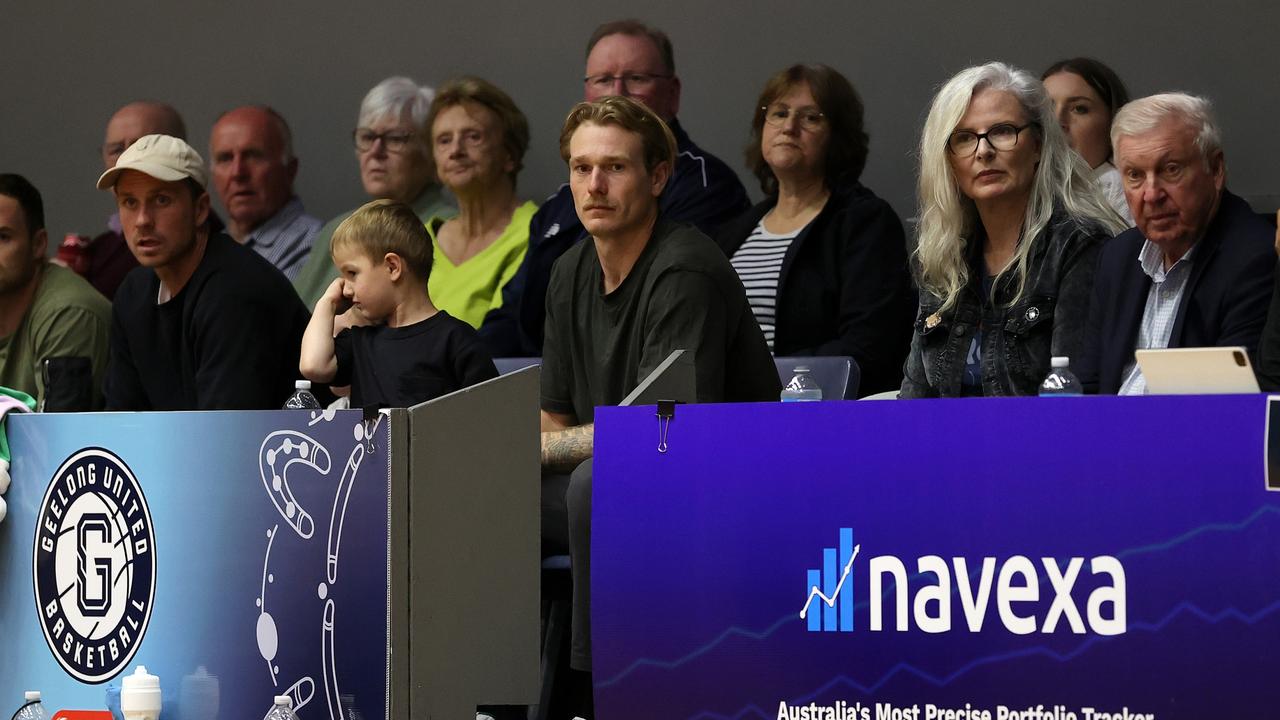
(1146, 114)
(948, 218)
(397, 97)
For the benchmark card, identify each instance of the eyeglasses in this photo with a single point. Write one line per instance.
(809, 118)
(393, 141)
(1000, 137)
(633, 82)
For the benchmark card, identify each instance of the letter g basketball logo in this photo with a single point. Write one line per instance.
(94, 565)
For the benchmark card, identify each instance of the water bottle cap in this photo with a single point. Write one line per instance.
(32, 696)
(140, 680)
(1059, 361)
(302, 384)
(285, 700)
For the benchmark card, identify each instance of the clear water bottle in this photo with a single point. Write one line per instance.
(1060, 382)
(302, 399)
(32, 708)
(282, 709)
(802, 388)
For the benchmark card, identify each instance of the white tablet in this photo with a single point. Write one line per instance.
(1197, 371)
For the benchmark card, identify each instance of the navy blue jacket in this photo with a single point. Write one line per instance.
(1224, 303)
(702, 191)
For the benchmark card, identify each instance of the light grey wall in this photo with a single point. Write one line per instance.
(69, 64)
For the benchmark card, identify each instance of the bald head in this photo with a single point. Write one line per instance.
(251, 158)
(135, 120)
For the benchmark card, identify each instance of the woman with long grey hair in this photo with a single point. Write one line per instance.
(1011, 222)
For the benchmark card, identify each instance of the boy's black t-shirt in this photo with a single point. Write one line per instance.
(401, 367)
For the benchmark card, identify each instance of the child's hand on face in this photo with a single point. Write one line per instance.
(336, 297)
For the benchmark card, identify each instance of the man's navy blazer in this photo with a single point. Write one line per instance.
(1223, 304)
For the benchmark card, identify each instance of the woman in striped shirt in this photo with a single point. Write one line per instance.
(823, 260)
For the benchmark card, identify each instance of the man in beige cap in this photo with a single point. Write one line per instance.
(205, 323)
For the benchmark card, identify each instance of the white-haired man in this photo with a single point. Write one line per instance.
(1197, 270)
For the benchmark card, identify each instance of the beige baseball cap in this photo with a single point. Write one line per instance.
(163, 157)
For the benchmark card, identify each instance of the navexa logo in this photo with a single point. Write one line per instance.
(1016, 582)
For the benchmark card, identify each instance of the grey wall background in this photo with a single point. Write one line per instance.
(70, 64)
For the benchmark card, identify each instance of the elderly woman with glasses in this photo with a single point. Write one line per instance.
(394, 153)
(1010, 227)
(479, 138)
(824, 260)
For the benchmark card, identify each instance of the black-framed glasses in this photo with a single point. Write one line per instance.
(394, 141)
(1001, 137)
(633, 82)
(777, 114)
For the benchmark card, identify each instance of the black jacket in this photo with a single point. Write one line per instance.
(1018, 340)
(1223, 304)
(845, 285)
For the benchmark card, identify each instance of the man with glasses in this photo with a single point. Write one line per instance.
(1198, 269)
(631, 59)
(251, 153)
(394, 152)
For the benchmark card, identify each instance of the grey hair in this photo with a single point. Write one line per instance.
(948, 219)
(1145, 114)
(396, 97)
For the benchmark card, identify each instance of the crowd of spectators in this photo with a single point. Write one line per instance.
(1055, 217)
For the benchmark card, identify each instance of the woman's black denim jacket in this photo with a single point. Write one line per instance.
(1048, 320)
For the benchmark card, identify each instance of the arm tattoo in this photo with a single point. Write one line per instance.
(563, 450)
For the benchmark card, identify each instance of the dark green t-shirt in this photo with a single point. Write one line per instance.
(682, 294)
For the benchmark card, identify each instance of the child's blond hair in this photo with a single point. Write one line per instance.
(386, 226)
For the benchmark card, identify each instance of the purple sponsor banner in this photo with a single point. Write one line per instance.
(1090, 559)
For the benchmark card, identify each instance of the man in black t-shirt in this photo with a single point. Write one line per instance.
(204, 323)
(619, 304)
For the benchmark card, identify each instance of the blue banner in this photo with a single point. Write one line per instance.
(1093, 559)
(238, 556)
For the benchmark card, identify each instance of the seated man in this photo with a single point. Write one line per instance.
(47, 312)
(619, 303)
(251, 154)
(631, 59)
(106, 258)
(410, 352)
(1197, 270)
(205, 323)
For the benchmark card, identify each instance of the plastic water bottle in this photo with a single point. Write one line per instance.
(302, 399)
(282, 709)
(33, 708)
(1060, 382)
(802, 387)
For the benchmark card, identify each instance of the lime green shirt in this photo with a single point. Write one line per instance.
(319, 272)
(470, 290)
(67, 318)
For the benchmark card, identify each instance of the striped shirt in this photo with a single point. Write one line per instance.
(1161, 310)
(285, 238)
(758, 263)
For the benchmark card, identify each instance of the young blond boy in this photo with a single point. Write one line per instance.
(401, 350)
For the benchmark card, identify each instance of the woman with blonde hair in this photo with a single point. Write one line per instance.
(1011, 222)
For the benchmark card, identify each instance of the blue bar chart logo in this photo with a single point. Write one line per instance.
(832, 585)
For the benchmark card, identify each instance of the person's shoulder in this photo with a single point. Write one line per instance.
(65, 288)
(1243, 230)
(138, 288)
(683, 247)
(234, 272)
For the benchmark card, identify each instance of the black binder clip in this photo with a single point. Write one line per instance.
(666, 413)
(372, 418)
